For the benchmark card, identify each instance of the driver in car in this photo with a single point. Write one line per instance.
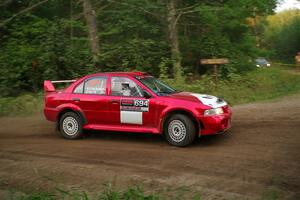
(126, 89)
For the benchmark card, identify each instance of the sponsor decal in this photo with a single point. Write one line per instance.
(137, 105)
(209, 100)
(131, 110)
(127, 102)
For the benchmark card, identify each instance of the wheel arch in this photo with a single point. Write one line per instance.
(68, 109)
(198, 124)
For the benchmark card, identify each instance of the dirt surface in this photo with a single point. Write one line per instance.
(258, 158)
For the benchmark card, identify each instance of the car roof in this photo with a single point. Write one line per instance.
(132, 74)
(135, 73)
(261, 59)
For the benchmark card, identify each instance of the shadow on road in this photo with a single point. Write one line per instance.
(153, 138)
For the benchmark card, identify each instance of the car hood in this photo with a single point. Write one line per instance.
(205, 99)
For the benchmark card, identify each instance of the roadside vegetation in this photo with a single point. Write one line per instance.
(256, 85)
(109, 192)
(133, 193)
(281, 35)
(23, 105)
(260, 84)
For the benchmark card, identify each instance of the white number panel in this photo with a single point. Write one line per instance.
(131, 110)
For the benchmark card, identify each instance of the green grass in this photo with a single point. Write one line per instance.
(22, 105)
(109, 193)
(260, 84)
(132, 193)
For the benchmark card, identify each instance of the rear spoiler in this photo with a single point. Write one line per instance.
(49, 87)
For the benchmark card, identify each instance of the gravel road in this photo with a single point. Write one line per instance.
(259, 157)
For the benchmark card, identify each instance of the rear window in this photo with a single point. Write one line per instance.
(95, 85)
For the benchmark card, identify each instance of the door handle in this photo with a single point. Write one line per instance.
(114, 101)
(76, 99)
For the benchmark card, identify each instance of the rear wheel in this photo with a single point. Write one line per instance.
(71, 126)
(180, 130)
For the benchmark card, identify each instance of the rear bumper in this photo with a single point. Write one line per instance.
(51, 114)
(215, 124)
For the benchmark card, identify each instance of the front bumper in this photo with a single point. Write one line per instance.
(215, 124)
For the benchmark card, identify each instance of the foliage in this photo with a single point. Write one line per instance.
(131, 40)
(37, 50)
(109, 193)
(260, 84)
(25, 104)
(282, 35)
(51, 41)
(132, 193)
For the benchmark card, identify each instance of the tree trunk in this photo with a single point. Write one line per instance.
(172, 19)
(91, 21)
(256, 33)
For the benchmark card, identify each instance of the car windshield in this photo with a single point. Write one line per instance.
(261, 61)
(156, 86)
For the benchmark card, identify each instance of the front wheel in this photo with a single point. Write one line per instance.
(180, 130)
(71, 126)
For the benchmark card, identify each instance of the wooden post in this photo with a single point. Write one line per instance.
(216, 76)
(215, 62)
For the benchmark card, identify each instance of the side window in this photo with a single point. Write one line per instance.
(96, 85)
(122, 86)
(79, 88)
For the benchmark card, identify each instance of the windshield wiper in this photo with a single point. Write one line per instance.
(162, 93)
(177, 91)
(167, 93)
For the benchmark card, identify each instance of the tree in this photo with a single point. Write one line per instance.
(91, 21)
(53, 39)
(172, 19)
(282, 35)
(21, 12)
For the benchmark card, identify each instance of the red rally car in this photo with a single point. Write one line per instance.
(134, 102)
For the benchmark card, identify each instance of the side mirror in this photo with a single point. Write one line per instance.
(146, 94)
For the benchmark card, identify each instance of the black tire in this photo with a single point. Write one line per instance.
(180, 130)
(70, 126)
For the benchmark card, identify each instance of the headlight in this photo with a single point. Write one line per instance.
(268, 64)
(214, 111)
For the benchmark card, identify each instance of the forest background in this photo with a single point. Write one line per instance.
(66, 39)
